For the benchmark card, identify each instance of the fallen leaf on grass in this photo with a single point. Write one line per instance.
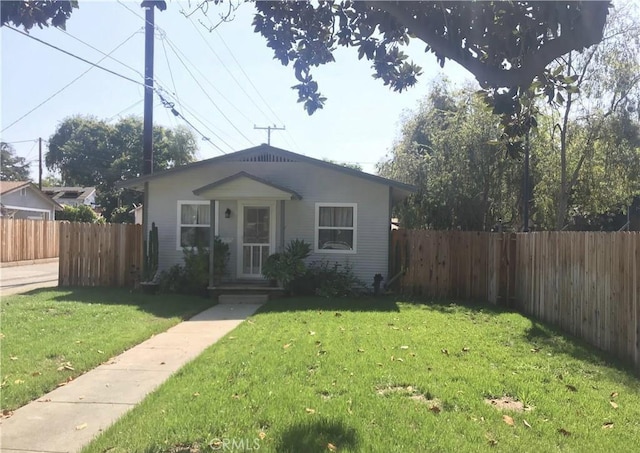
(338, 314)
(614, 405)
(311, 332)
(262, 435)
(526, 423)
(534, 350)
(435, 409)
(400, 359)
(13, 357)
(196, 394)
(100, 352)
(36, 373)
(66, 366)
(250, 321)
(80, 427)
(444, 351)
(614, 394)
(607, 425)
(508, 420)
(285, 346)
(18, 381)
(7, 413)
(564, 432)
(360, 350)
(310, 411)
(572, 388)
(332, 447)
(465, 349)
(404, 347)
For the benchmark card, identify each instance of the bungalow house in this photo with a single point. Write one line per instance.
(72, 196)
(23, 200)
(261, 198)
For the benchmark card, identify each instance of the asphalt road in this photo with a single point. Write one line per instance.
(20, 279)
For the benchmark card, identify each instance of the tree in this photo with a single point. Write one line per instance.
(12, 167)
(591, 137)
(42, 13)
(91, 152)
(447, 149)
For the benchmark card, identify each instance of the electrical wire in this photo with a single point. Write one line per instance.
(173, 82)
(93, 65)
(101, 52)
(171, 46)
(124, 110)
(20, 141)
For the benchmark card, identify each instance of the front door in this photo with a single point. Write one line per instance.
(256, 237)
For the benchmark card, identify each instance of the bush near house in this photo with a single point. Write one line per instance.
(80, 213)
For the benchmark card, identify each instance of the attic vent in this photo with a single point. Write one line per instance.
(266, 157)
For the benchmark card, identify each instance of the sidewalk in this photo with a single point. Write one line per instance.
(66, 419)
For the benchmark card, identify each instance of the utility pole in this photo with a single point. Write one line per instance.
(269, 129)
(40, 163)
(147, 135)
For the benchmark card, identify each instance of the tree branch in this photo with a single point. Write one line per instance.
(593, 19)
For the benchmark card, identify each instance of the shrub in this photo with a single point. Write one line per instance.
(289, 265)
(193, 276)
(328, 280)
(80, 213)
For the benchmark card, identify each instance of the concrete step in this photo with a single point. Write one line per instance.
(242, 298)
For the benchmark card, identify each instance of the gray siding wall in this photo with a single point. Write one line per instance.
(314, 184)
(30, 200)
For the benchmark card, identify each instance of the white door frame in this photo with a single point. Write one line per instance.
(272, 231)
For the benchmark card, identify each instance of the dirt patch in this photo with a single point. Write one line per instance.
(413, 394)
(507, 403)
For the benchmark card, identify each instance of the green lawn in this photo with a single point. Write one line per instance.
(307, 375)
(51, 336)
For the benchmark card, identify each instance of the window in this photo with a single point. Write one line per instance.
(336, 227)
(193, 223)
(23, 192)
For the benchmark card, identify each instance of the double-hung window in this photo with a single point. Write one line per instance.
(336, 227)
(193, 223)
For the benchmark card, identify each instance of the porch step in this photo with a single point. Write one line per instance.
(242, 298)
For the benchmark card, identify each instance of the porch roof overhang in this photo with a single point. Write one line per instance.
(244, 185)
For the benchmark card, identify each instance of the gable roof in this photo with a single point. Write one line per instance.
(269, 189)
(266, 153)
(7, 187)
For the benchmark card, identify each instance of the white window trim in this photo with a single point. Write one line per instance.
(317, 228)
(179, 218)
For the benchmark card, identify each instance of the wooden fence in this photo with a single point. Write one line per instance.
(24, 240)
(455, 264)
(99, 255)
(588, 284)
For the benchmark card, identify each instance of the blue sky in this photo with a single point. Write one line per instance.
(233, 64)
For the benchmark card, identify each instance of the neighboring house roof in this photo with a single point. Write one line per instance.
(266, 153)
(63, 194)
(7, 187)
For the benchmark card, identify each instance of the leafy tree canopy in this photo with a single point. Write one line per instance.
(12, 167)
(80, 213)
(87, 151)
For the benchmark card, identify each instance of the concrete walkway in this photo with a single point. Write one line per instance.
(66, 419)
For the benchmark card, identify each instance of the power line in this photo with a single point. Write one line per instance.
(95, 65)
(173, 82)
(74, 80)
(230, 73)
(224, 65)
(124, 110)
(247, 77)
(171, 106)
(20, 141)
(101, 52)
(171, 46)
